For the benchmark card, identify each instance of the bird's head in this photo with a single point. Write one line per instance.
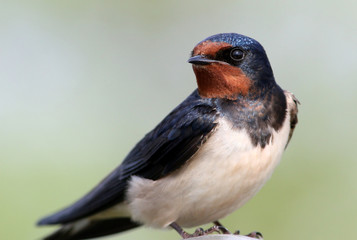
(228, 65)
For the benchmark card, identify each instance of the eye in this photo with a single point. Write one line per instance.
(237, 54)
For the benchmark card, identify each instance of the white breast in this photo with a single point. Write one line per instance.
(223, 175)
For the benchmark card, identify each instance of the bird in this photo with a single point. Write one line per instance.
(204, 160)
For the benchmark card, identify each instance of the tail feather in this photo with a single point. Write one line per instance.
(85, 229)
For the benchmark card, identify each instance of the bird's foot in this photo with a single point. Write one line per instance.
(199, 231)
(217, 228)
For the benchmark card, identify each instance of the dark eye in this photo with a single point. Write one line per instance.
(237, 54)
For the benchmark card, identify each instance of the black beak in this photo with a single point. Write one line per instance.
(201, 60)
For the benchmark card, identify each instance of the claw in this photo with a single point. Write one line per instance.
(237, 232)
(198, 232)
(256, 235)
(213, 229)
(222, 229)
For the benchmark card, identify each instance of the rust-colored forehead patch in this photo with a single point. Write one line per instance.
(210, 48)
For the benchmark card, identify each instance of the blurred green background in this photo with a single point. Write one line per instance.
(82, 81)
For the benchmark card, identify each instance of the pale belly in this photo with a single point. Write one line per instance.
(223, 175)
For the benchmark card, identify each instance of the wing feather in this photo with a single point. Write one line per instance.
(293, 109)
(160, 152)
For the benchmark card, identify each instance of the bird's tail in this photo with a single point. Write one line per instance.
(85, 229)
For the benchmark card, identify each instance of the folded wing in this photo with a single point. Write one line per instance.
(163, 150)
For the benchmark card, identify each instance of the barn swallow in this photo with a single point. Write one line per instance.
(205, 159)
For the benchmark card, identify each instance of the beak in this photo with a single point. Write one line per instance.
(201, 60)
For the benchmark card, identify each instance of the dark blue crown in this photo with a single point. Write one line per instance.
(236, 40)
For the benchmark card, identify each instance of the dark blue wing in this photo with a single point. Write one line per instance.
(161, 151)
